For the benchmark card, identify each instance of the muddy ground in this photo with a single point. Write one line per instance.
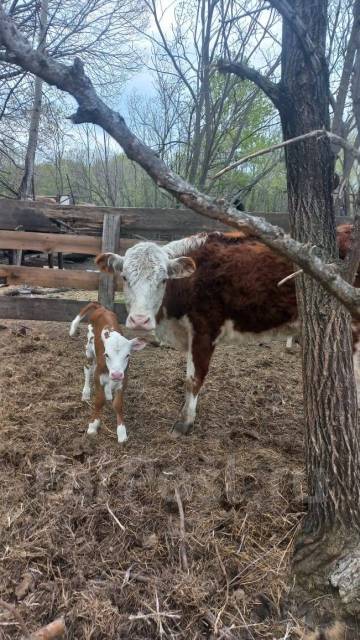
(92, 530)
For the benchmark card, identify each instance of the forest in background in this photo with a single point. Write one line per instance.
(161, 68)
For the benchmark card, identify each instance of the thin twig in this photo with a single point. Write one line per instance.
(182, 547)
(290, 277)
(318, 133)
(115, 518)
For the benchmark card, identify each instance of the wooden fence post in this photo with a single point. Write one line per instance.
(110, 243)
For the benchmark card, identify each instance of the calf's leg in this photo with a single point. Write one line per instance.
(199, 355)
(99, 403)
(118, 405)
(88, 375)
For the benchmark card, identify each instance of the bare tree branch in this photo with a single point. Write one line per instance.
(271, 89)
(92, 109)
(311, 134)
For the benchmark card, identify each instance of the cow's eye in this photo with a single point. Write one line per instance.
(163, 281)
(124, 278)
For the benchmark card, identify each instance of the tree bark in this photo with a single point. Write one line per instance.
(331, 527)
(26, 189)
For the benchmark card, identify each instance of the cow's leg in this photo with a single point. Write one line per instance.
(118, 405)
(198, 359)
(88, 375)
(99, 403)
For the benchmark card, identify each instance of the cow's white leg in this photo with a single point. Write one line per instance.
(197, 364)
(93, 427)
(106, 383)
(118, 405)
(88, 375)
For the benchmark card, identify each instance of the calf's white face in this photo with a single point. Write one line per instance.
(145, 269)
(117, 351)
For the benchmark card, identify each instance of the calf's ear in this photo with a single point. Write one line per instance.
(137, 344)
(181, 267)
(109, 262)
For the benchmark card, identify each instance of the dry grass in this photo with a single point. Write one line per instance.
(92, 531)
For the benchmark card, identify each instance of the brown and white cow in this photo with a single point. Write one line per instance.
(108, 353)
(203, 290)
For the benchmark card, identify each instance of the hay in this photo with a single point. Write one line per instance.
(161, 538)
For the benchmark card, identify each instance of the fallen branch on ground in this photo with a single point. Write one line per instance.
(73, 80)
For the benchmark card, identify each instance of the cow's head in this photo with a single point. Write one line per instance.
(117, 350)
(145, 269)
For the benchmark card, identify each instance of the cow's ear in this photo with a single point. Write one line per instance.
(137, 344)
(109, 262)
(181, 267)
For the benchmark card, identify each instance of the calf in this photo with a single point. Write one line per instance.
(205, 289)
(107, 352)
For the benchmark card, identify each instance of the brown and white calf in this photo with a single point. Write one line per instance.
(206, 289)
(108, 353)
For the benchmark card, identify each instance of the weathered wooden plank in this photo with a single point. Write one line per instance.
(50, 309)
(50, 242)
(110, 243)
(36, 276)
(16, 214)
(135, 221)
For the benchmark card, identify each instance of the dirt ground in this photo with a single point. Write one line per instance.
(94, 531)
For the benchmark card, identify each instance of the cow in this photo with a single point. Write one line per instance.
(107, 352)
(206, 289)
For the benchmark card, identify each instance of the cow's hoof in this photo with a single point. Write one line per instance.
(86, 396)
(93, 427)
(181, 428)
(121, 434)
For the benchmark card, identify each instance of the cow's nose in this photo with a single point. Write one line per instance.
(116, 375)
(138, 322)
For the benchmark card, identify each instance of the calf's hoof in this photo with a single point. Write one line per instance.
(182, 428)
(93, 427)
(121, 433)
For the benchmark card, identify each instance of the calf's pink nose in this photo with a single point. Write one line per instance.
(138, 321)
(116, 375)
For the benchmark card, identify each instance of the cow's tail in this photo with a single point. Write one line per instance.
(85, 312)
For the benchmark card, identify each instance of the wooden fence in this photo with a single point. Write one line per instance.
(90, 230)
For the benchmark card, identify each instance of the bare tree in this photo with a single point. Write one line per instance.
(204, 118)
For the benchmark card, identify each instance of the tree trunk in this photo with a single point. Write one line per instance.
(26, 189)
(331, 527)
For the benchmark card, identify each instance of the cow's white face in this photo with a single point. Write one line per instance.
(117, 352)
(145, 269)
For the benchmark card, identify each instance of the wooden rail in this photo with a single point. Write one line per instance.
(50, 309)
(33, 226)
(40, 277)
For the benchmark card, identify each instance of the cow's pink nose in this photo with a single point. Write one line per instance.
(116, 375)
(140, 322)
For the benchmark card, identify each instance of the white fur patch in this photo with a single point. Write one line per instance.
(93, 427)
(121, 433)
(75, 325)
(90, 348)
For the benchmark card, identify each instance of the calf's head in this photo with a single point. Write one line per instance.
(145, 269)
(117, 350)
